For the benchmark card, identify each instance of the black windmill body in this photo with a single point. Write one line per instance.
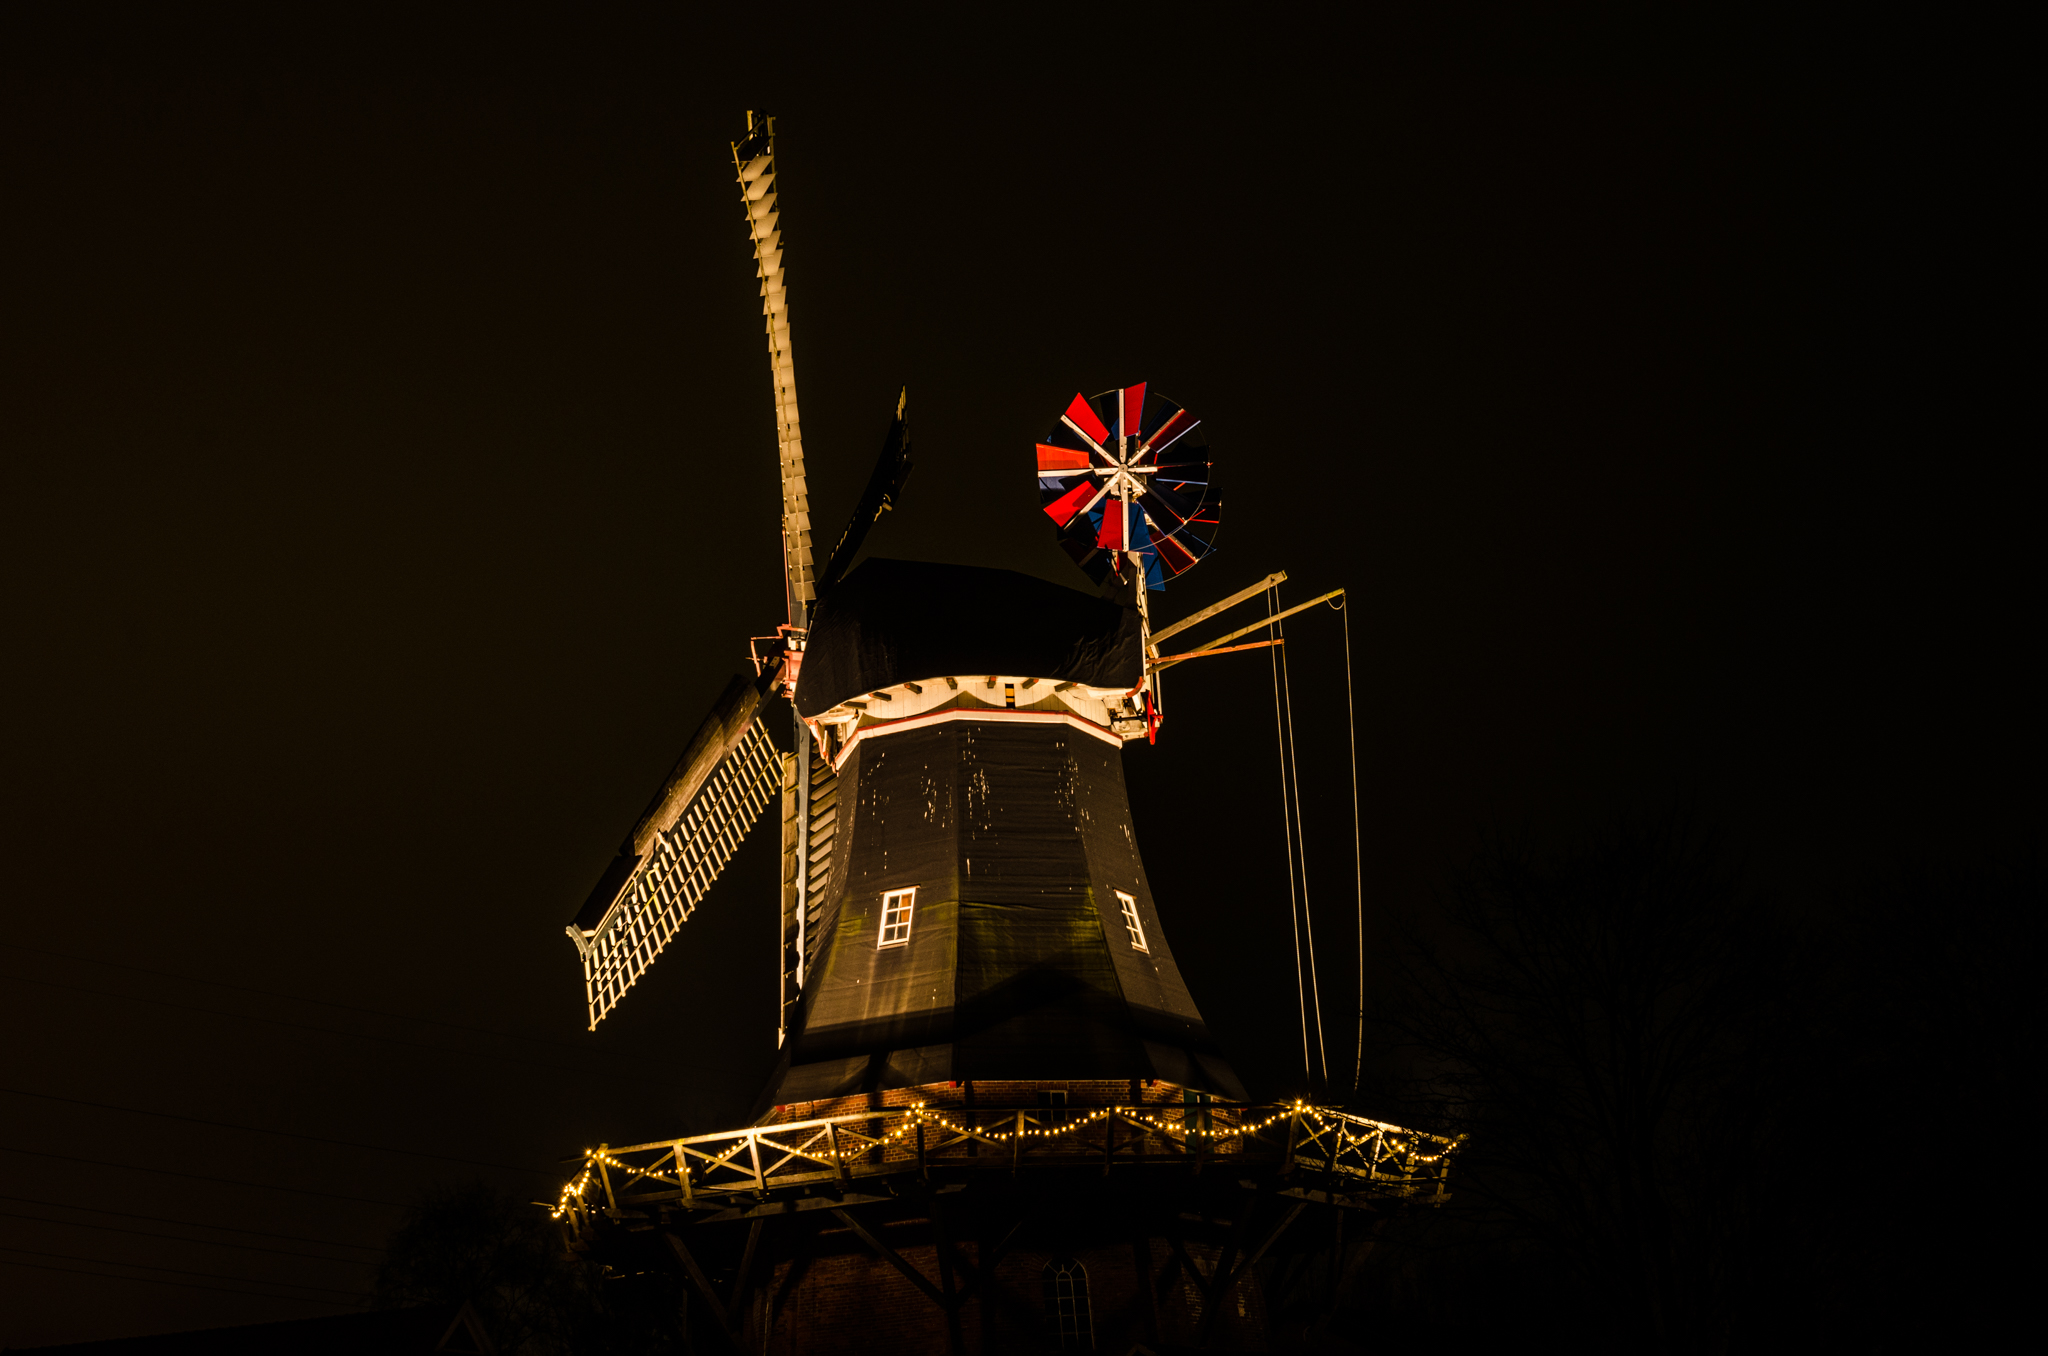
(985, 911)
(975, 976)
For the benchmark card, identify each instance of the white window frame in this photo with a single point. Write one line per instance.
(898, 907)
(1134, 924)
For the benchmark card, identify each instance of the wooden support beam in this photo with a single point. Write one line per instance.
(989, 1258)
(799, 1265)
(1277, 577)
(956, 1342)
(894, 1259)
(1252, 1259)
(702, 1284)
(739, 1282)
(1141, 1263)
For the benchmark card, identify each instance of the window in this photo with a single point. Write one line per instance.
(896, 916)
(1066, 1305)
(1131, 920)
(1052, 1106)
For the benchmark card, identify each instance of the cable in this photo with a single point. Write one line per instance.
(192, 1223)
(1357, 851)
(296, 998)
(1286, 829)
(201, 1177)
(282, 1134)
(179, 1238)
(182, 1285)
(180, 1271)
(1308, 920)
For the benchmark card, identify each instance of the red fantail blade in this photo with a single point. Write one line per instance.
(1082, 415)
(1173, 555)
(1133, 411)
(1063, 509)
(1052, 458)
(1172, 429)
(1111, 536)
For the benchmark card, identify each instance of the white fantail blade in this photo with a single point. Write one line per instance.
(754, 165)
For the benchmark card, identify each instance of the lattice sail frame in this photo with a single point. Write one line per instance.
(680, 866)
(754, 160)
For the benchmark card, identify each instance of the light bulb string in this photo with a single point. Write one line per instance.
(1400, 1147)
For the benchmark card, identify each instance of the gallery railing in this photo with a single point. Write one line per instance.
(1328, 1151)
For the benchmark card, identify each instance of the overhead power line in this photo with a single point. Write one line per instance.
(200, 1176)
(190, 1223)
(282, 1134)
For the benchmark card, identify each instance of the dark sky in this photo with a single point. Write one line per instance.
(388, 454)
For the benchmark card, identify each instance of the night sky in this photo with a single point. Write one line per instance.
(389, 489)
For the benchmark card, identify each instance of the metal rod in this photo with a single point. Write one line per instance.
(1169, 661)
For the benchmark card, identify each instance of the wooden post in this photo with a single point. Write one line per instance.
(838, 1159)
(604, 1175)
(754, 1150)
(921, 1172)
(683, 1172)
(1017, 1144)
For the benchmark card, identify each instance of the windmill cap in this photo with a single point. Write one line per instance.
(896, 621)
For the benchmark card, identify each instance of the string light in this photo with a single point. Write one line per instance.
(1402, 1148)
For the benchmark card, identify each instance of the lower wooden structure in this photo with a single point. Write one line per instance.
(1005, 1218)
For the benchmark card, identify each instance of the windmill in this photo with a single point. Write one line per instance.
(973, 971)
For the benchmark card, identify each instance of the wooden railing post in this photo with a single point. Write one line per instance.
(838, 1158)
(754, 1151)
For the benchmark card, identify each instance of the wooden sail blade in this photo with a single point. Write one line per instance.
(677, 869)
(640, 900)
(753, 160)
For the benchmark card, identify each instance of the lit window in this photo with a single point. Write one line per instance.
(1066, 1305)
(896, 916)
(1131, 920)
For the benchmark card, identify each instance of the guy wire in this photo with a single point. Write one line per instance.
(1287, 832)
(1308, 921)
(1357, 853)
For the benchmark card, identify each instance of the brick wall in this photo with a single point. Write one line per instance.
(855, 1302)
(988, 1093)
